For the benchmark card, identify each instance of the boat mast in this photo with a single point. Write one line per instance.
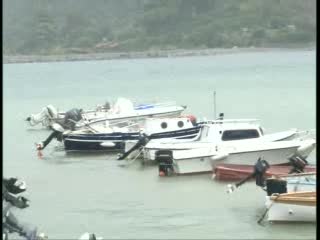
(214, 104)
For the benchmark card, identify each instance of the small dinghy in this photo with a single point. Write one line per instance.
(292, 206)
(290, 197)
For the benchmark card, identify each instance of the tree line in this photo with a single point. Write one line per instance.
(64, 26)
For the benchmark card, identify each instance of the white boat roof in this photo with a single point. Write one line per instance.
(224, 121)
(232, 124)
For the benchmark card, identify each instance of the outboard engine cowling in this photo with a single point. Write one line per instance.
(259, 169)
(71, 118)
(298, 164)
(274, 185)
(165, 160)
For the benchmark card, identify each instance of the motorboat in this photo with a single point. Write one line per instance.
(122, 110)
(245, 152)
(291, 198)
(112, 136)
(227, 132)
(292, 207)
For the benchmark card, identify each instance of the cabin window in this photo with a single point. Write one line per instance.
(164, 125)
(180, 124)
(230, 135)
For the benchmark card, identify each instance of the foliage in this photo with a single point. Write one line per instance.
(57, 27)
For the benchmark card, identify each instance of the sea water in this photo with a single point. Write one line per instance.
(75, 193)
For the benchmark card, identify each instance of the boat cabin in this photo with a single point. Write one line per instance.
(158, 125)
(230, 130)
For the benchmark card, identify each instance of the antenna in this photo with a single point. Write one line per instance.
(214, 104)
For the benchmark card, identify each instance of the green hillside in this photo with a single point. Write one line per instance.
(70, 26)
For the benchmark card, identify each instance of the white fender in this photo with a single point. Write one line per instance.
(107, 144)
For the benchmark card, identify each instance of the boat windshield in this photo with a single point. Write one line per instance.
(240, 134)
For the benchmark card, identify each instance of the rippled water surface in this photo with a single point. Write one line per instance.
(72, 194)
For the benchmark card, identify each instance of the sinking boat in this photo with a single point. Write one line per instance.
(234, 172)
(112, 136)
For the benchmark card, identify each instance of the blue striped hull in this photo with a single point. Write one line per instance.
(88, 142)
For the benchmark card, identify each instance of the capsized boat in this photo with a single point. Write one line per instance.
(122, 110)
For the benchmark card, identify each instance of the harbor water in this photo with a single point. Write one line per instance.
(75, 193)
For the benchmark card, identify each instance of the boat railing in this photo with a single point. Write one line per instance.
(306, 134)
(162, 104)
(218, 121)
(296, 175)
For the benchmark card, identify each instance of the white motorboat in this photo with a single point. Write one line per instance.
(122, 110)
(227, 132)
(246, 152)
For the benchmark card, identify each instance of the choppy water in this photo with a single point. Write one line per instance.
(71, 194)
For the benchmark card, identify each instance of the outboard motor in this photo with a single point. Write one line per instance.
(46, 116)
(298, 164)
(221, 116)
(142, 141)
(10, 223)
(274, 185)
(71, 118)
(260, 169)
(89, 236)
(165, 160)
(107, 106)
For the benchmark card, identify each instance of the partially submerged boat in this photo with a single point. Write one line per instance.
(112, 136)
(122, 110)
(234, 172)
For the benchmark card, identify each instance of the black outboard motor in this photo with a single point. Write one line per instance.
(274, 185)
(71, 117)
(142, 141)
(10, 224)
(298, 164)
(260, 169)
(165, 160)
(221, 116)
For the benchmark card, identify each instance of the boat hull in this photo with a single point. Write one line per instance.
(116, 141)
(206, 164)
(235, 172)
(283, 212)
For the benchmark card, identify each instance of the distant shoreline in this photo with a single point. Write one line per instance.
(7, 59)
